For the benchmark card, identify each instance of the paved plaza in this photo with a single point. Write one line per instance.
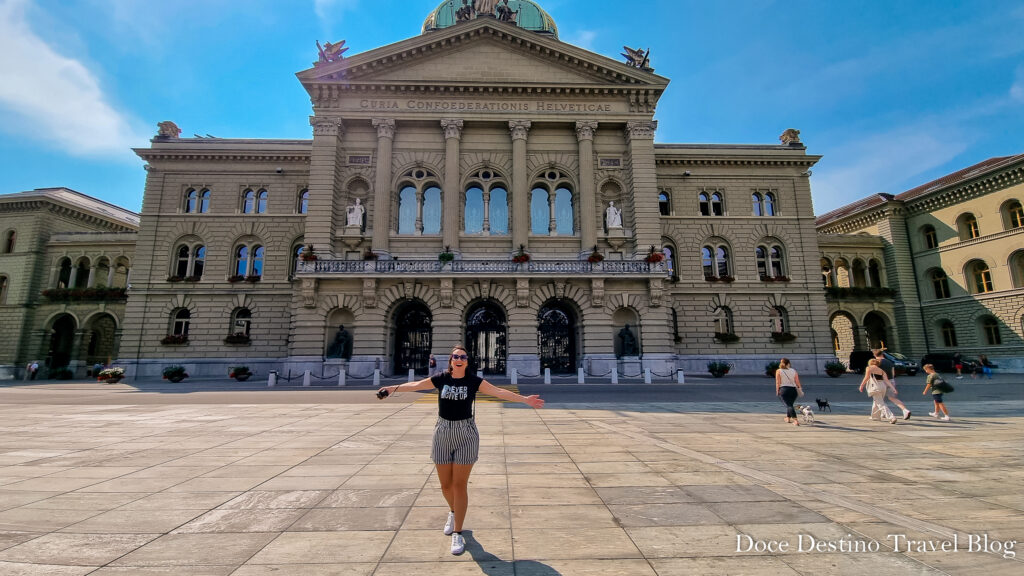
(111, 480)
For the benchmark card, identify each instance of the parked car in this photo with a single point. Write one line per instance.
(945, 362)
(903, 365)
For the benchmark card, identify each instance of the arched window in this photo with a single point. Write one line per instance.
(940, 284)
(980, 277)
(707, 259)
(758, 201)
(723, 320)
(715, 261)
(717, 205)
(931, 239)
(486, 205)
(241, 321)
(1013, 215)
(539, 217)
(565, 222)
(180, 321)
(875, 273)
(204, 201)
(257, 262)
(769, 204)
(297, 251)
(1017, 269)
(826, 273)
(858, 278)
(990, 330)
(419, 203)
(474, 210)
(198, 261)
(261, 201)
(64, 276)
(498, 205)
(761, 256)
(9, 241)
(3, 290)
(241, 260)
(248, 202)
(776, 262)
(670, 258)
(191, 201)
(664, 205)
(949, 334)
(303, 206)
(778, 319)
(181, 267)
(705, 204)
(967, 225)
(82, 274)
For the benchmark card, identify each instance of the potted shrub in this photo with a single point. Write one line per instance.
(654, 256)
(175, 373)
(719, 369)
(111, 375)
(308, 255)
(237, 338)
(175, 339)
(240, 373)
(770, 368)
(595, 256)
(726, 337)
(446, 256)
(782, 337)
(835, 368)
(521, 256)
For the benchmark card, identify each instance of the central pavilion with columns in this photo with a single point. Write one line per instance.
(481, 183)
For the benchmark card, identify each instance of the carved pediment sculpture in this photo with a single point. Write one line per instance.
(167, 129)
(790, 136)
(330, 52)
(638, 58)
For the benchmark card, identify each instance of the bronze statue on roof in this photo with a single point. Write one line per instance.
(638, 58)
(505, 13)
(330, 52)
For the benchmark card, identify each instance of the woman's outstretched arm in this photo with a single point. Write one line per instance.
(534, 401)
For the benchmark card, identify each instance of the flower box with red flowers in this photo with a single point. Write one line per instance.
(595, 257)
(774, 278)
(236, 278)
(193, 279)
(174, 278)
(253, 279)
(783, 337)
(175, 339)
(654, 257)
(237, 339)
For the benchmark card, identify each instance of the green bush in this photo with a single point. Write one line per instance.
(718, 369)
(770, 368)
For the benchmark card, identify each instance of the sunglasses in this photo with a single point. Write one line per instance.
(460, 357)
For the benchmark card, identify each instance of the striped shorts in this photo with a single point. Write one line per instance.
(455, 442)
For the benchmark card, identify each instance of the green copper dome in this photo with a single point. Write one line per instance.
(528, 16)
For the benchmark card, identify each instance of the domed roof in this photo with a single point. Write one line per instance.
(528, 16)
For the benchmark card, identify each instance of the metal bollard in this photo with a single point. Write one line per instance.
(412, 375)
(547, 375)
(515, 377)
(680, 379)
(647, 375)
(341, 377)
(306, 381)
(376, 377)
(272, 379)
(579, 376)
(615, 375)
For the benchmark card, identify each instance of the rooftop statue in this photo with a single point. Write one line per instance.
(485, 7)
(638, 58)
(330, 52)
(505, 13)
(465, 13)
(790, 136)
(167, 129)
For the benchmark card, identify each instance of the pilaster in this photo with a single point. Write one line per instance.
(382, 185)
(520, 130)
(324, 165)
(640, 144)
(450, 223)
(588, 209)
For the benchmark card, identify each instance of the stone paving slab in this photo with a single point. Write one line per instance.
(260, 489)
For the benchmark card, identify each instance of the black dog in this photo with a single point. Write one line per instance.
(822, 404)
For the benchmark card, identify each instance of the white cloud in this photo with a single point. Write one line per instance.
(328, 10)
(584, 39)
(1017, 90)
(47, 96)
(885, 162)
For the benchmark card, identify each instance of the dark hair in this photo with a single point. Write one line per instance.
(784, 363)
(454, 348)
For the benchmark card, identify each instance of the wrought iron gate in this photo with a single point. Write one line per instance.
(413, 335)
(556, 334)
(486, 334)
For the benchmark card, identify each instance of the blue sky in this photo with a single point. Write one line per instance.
(892, 94)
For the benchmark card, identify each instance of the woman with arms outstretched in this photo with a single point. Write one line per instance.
(456, 443)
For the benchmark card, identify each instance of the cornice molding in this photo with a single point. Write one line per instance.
(149, 154)
(859, 222)
(803, 161)
(39, 205)
(969, 191)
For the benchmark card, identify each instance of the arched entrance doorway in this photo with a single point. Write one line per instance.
(556, 334)
(485, 337)
(413, 336)
(877, 331)
(101, 344)
(62, 339)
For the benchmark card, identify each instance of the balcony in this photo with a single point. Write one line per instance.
(535, 268)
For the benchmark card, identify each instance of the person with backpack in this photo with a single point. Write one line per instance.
(938, 387)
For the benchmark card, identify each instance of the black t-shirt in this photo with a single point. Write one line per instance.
(455, 395)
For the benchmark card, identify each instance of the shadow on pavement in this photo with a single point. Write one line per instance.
(494, 566)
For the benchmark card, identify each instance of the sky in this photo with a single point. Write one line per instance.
(891, 94)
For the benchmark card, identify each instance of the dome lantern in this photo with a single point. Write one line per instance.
(523, 13)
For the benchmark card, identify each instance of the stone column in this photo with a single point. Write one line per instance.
(520, 186)
(588, 230)
(450, 221)
(110, 276)
(74, 276)
(92, 277)
(382, 185)
(324, 165)
(640, 143)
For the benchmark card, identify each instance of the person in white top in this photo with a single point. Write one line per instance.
(787, 386)
(878, 385)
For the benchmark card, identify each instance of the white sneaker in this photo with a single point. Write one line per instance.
(945, 418)
(458, 544)
(449, 526)
(933, 414)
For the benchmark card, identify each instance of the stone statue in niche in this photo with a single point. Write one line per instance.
(355, 214)
(612, 216)
(341, 347)
(629, 347)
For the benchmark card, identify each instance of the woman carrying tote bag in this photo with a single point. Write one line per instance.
(877, 383)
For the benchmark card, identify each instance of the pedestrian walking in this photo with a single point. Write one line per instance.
(787, 387)
(890, 370)
(938, 387)
(877, 383)
(984, 367)
(34, 370)
(456, 443)
(958, 363)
